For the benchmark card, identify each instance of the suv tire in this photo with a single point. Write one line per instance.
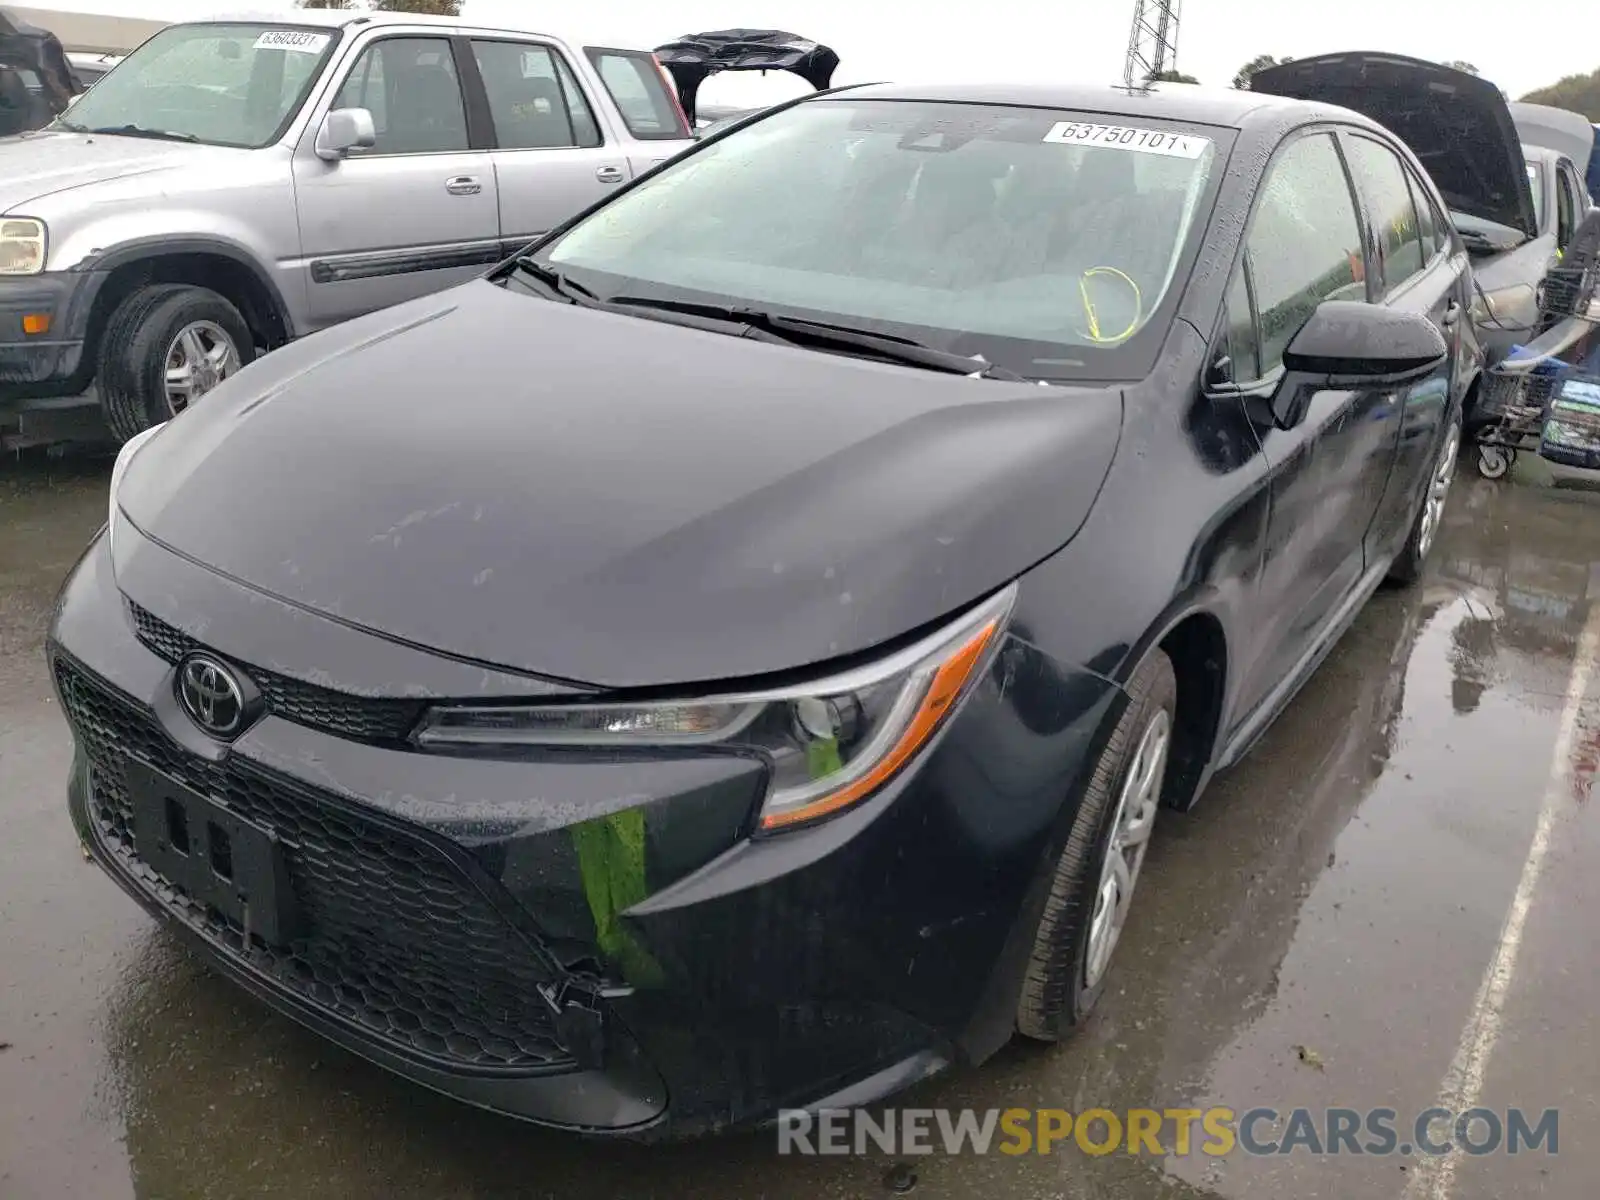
(163, 327)
(1115, 816)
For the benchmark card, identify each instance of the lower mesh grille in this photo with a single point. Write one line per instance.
(363, 718)
(395, 940)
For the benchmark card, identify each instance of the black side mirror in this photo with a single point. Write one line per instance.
(1366, 345)
(1344, 344)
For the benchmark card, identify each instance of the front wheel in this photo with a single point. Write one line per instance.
(165, 347)
(1091, 890)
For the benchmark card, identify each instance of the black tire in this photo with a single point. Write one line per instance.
(1409, 564)
(1056, 993)
(134, 347)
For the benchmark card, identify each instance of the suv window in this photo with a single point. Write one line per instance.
(534, 100)
(636, 84)
(1304, 244)
(1382, 180)
(225, 83)
(411, 88)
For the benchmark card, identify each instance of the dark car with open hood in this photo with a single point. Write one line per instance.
(733, 656)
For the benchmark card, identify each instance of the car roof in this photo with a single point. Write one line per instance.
(1227, 107)
(334, 18)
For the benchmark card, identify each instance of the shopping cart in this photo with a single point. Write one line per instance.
(1546, 396)
(1544, 399)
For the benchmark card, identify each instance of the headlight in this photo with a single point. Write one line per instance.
(124, 456)
(830, 743)
(22, 245)
(1517, 305)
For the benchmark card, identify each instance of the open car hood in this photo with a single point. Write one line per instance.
(695, 57)
(1559, 129)
(1457, 124)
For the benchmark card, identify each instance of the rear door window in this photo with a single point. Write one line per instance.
(640, 91)
(1429, 228)
(534, 101)
(1382, 181)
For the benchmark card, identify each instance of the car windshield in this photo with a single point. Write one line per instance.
(224, 84)
(1046, 241)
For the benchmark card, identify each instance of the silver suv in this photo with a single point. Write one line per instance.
(235, 184)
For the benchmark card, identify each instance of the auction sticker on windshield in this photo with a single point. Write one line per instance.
(297, 40)
(1128, 137)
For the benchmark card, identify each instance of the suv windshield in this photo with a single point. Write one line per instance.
(1046, 241)
(228, 85)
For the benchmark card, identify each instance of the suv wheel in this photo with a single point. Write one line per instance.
(1092, 889)
(164, 348)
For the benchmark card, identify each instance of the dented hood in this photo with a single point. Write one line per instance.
(616, 501)
(1457, 124)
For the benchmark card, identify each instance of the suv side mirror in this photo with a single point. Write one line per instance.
(344, 130)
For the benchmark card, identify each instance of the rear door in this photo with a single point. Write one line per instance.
(552, 158)
(415, 213)
(1414, 273)
(646, 102)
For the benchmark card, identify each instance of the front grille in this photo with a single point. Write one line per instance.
(360, 717)
(394, 938)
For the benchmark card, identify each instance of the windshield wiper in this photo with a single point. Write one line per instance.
(162, 135)
(71, 126)
(554, 281)
(799, 331)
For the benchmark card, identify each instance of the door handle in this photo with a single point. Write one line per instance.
(1452, 314)
(463, 185)
(609, 174)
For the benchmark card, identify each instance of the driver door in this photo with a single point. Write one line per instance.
(416, 213)
(1327, 473)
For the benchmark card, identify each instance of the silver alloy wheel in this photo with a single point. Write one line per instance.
(199, 358)
(1438, 492)
(1135, 818)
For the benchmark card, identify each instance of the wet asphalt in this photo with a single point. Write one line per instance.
(1393, 900)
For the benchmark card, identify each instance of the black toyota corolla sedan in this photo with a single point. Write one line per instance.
(732, 656)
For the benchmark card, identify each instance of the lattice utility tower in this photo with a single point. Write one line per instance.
(1153, 44)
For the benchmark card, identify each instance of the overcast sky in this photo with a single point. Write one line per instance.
(1035, 39)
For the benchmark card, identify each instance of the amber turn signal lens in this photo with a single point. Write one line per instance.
(35, 324)
(944, 689)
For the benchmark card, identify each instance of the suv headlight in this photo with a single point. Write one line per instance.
(22, 246)
(120, 468)
(831, 743)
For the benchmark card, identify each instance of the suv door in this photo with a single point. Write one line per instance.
(418, 211)
(644, 97)
(1415, 273)
(550, 153)
(1305, 246)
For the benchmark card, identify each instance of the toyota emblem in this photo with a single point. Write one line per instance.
(211, 695)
